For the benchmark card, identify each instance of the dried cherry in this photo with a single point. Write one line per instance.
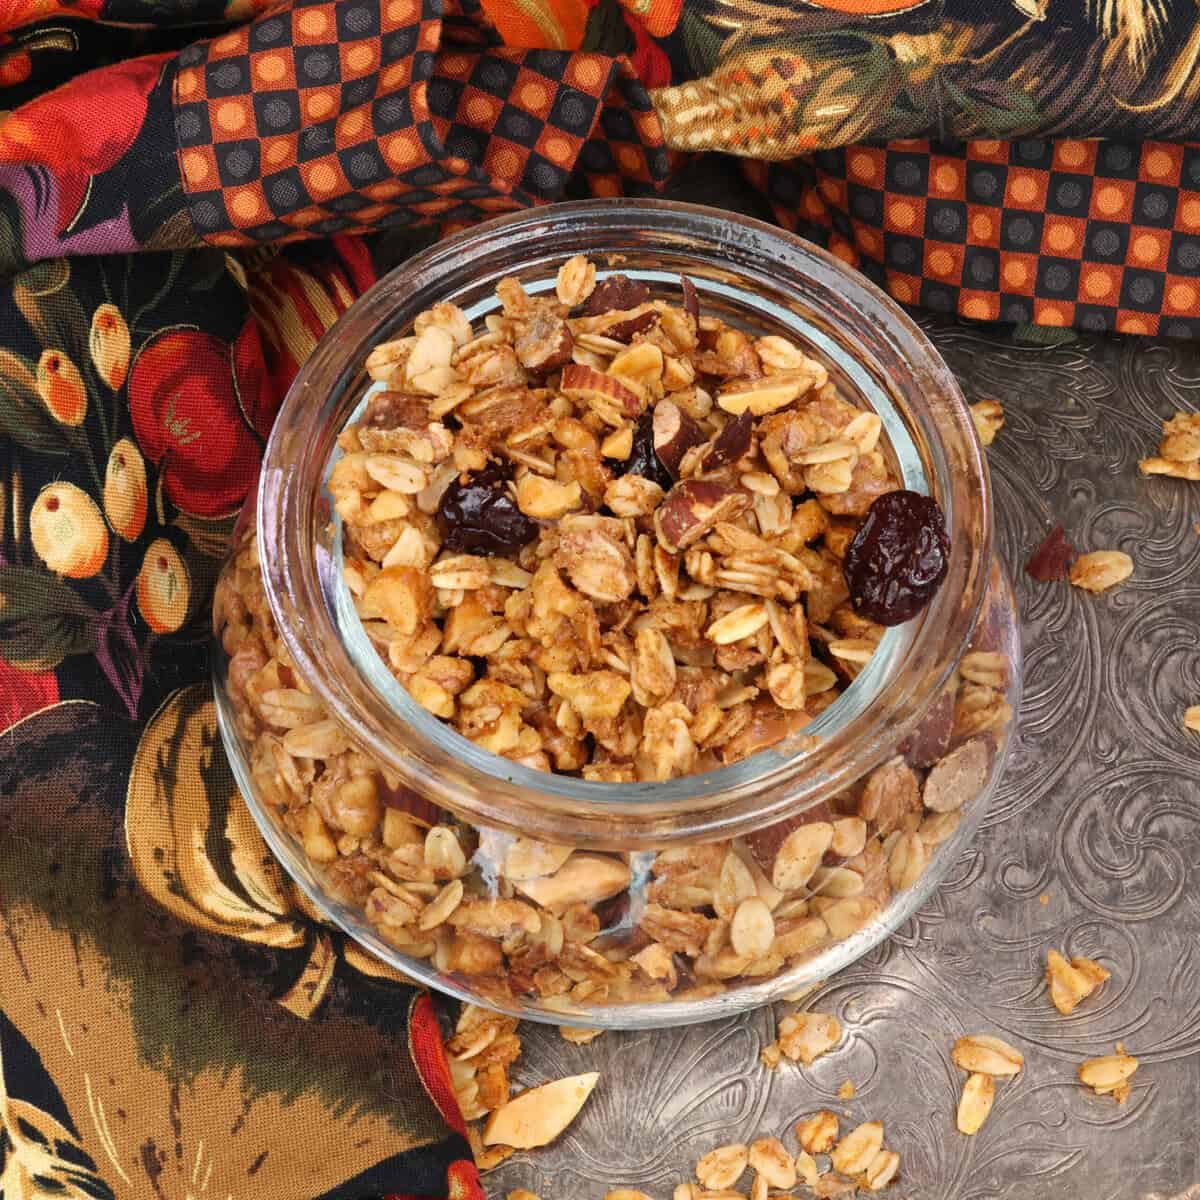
(480, 517)
(1052, 559)
(898, 558)
(642, 459)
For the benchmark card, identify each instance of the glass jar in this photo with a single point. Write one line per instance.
(899, 767)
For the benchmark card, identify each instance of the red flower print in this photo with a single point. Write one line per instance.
(649, 60)
(15, 67)
(24, 692)
(76, 136)
(429, 1057)
(256, 397)
(462, 1181)
(189, 423)
(658, 16)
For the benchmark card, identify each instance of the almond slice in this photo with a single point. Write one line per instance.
(528, 859)
(589, 878)
(765, 395)
(856, 1151)
(538, 1116)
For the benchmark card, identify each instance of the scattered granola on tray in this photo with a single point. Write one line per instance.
(1179, 451)
(1072, 982)
(1100, 570)
(1109, 1075)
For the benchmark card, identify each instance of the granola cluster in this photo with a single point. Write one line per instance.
(1179, 450)
(604, 536)
(704, 619)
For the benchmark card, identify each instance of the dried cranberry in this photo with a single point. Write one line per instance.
(898, 558)
(1052, 559)
(642, 459)
(480, 517)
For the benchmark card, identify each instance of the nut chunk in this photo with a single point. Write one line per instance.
(596, 560)
(988, 416)
(1179, 450)
(1071, 982)
(817, 1133)
(692, 508)
(595, 696)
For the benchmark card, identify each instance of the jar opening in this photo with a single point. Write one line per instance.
(750, 274)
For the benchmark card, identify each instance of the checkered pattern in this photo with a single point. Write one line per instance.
(1099, 235)
(338, 116)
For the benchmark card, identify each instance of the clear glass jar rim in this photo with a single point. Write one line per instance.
(723, 802)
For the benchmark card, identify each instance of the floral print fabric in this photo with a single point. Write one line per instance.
(178, 186)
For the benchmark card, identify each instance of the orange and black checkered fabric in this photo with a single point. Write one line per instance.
(1097, 235)
(331, 117)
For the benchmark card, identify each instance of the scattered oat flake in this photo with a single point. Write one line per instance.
(1100, 570)
(578, 1035)
(846, 1091)
(1109, 1075)
(1052, 559)
(1043, 899)
(1191, 718)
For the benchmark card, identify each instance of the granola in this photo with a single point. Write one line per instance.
(1100, 570)
(1109, 1075)
(859, 1161)
(603, 536)
(1179, 450)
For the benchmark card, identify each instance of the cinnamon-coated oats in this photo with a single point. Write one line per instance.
(1179, 450)
(601, 535)
(978, 1095)
(1071, 982)
(1109, 1075)
(1100, 570)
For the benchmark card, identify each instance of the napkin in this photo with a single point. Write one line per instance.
(190, 192)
